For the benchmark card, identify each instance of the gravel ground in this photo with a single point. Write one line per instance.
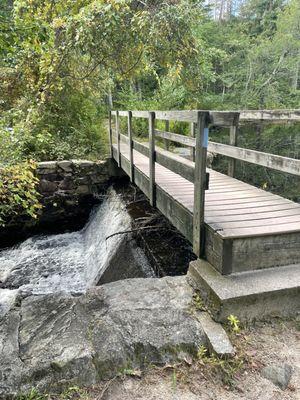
(265, 344)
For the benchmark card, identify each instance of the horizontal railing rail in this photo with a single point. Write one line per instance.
(271, 116)
(216, 118)
(272, 161)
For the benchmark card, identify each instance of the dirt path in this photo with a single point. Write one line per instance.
(276, 343)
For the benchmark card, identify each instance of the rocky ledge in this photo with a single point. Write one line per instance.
(53, 341)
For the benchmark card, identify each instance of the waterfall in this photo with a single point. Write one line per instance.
(73, 262)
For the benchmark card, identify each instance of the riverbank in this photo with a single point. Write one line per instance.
(275, 343)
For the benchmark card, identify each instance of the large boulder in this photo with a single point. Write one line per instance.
(57, 340)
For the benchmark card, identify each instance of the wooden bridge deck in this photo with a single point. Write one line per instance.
(233, 208)
(235, 213)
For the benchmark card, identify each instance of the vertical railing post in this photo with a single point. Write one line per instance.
(152, 191)
(193, 131)
(110, 134)
(200, 182)
(233, 141)
(167, 129)
(118, 137)
(130, 141)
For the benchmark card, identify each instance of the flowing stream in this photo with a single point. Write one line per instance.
(72, 262)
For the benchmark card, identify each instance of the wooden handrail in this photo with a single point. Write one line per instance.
(175, 137)
(272, 116)
(216, 118)
(272, 161)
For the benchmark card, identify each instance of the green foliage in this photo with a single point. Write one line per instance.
(234, 323)
(18, 192)
(73, 392)
(33, 394)
(227, 368)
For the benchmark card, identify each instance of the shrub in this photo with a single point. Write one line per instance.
(18, 192)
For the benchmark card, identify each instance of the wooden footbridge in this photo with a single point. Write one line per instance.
(236, 227)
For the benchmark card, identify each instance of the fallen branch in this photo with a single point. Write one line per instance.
(107, 385)
(143, 228)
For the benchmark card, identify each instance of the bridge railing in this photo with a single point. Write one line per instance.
(199, 144)
(196, 173)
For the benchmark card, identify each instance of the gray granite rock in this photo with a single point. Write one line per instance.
(12, 369)
(54, 341)
(47, 165)
(65, 165)
(46, 186)
(280, 375)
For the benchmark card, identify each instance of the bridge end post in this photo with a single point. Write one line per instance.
(152, 189)
(200, 182)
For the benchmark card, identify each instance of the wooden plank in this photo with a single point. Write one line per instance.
(152, 196)
(200, 183)
(224, 118)
(140, 114)
(279, 163)
(130, 141)
(183, 116)
(175, 137)
(244, 204)
(251, 194)
(265, 252)
(249, 211)
(262, 216)
(123, 113)
(257, 222)
(260, 230)
(270, 115)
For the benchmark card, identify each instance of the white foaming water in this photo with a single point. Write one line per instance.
(70, 262)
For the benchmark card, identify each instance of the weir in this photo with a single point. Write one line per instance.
(73, 262)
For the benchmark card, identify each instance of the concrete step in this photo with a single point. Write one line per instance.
(251, 295)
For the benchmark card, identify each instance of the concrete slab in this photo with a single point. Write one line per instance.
(217, 339)
(250, 295)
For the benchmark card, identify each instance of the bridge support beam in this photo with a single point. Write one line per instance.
(200, 182)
